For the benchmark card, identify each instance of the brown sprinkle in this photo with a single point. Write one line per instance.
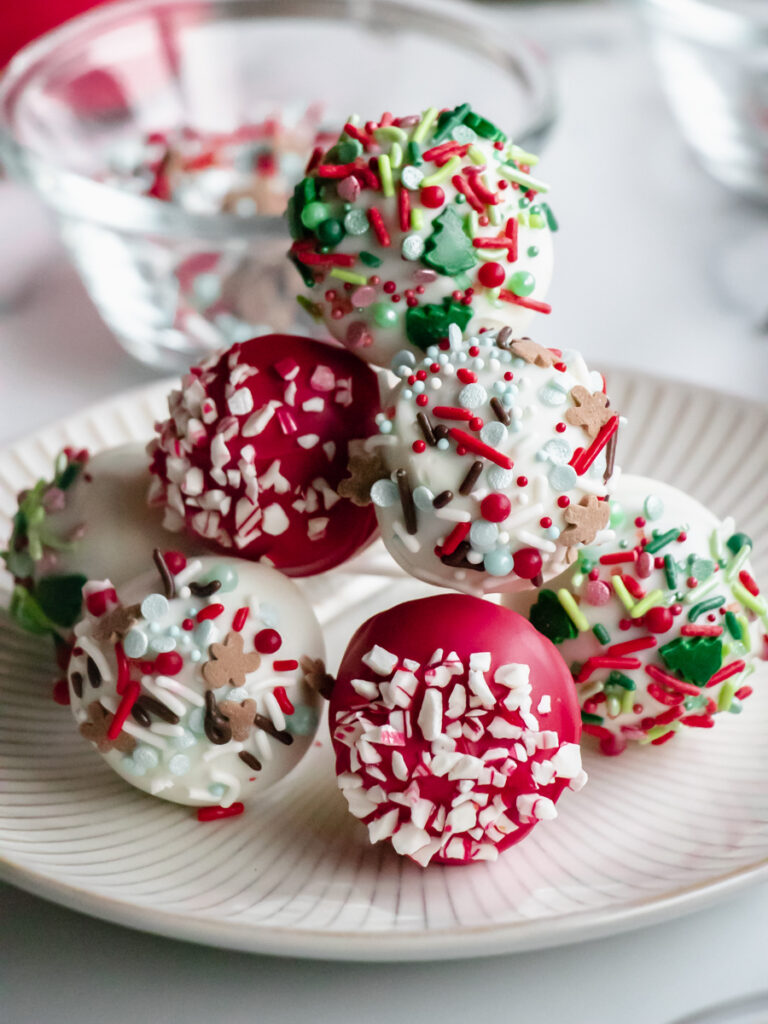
(266, 725)
(156, 707)
(169, 587)
(442, 499)
(500, 412)
(204, 589)
(471, 478)
(426, 428)
(253, 762)
(406, 500)
(140, 715)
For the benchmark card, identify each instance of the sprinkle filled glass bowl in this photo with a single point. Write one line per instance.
(165, 135)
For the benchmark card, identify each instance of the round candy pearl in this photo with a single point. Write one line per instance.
(495, 508)
(522, 283)
(432, 197)
(491, 275)
(498, 563)
(527, 563)
(384, 315)
(658, 620)
(330, 231)
(597, 593)
(267, 641)
(314, 214)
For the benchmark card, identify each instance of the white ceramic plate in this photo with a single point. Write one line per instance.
(658, 831)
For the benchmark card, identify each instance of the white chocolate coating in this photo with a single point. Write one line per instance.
(539, 491)
(488, 192)
(172, 754)
(651, 691)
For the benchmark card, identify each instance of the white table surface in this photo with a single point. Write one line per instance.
(657, 267)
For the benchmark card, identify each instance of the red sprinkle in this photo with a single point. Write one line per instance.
(283, 700)
(743, 692)
(663, 739)
(267, 641)
(98, 601)
(169, 663)
(130, 696)
(239, 619)
(449, 412)
(633, 586)
(473, 444)
(188, 624)
(455, 537)
(60, 692)
(285, 666)
(466, 376)
(123, 669)
(215, 813)
(519, 300)
(619, 557)
(404, 208)
(377, 223)
(593, 664)
(691, 629)
(643, 643)
(698, 721)
(462, 186)
(675, 684)
(747, 581)
(510, 230)
(583, 459)
(213, 611)
(725, 673)
(419, 446)
(175, 561)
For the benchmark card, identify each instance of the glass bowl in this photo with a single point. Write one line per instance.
(713, 60)
(86, 111)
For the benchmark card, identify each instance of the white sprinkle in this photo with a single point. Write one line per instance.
(241, 402)
(430, 719)
(274, 521)
(308, 440)
(381, 661)
(365, 688)
(545, 705)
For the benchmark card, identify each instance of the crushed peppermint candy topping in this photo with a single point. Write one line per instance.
(449, 758)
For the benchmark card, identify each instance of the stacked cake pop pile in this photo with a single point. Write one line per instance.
(485, 460)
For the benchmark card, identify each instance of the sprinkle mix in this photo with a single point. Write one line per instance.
(661, 627)
(496, 452)
(448, 759)
(197, 692)
(409, 224)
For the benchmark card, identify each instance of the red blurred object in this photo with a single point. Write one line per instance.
(23, 22)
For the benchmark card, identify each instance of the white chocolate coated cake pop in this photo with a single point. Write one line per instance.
(89, 519)
(408, 224)
(199, 683)
(490, 469)
(663, 625)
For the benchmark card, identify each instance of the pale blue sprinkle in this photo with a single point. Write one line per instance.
(493, 434)
(203, 632)
(500, 479)
(552, 532)
(562, 478)
(146, 757)
(498, 563)
(384, 493)
(552, 395)
(418, 387)
(303, 721)
(422, 498)
(174, 631)
(195, 721)
(507, 399)
(217, 790)
(184, 741)
(162, 644)
(557, 452)
(499, 387)
(483, 535)
(226, 575)
(653, 507)
(195, 656)
(442, 444)
(407, 393)
(135, 643)
(472, 395)
(155, 627)
(130, 767)
(269, 614)
(385, 427)
(154, 606)
(178, 764)
(402, 358)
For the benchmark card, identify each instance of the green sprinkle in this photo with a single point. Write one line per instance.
(656, 731)
(601, 633)
(522, 156)
(413, 150)
(746, 636)
(652, 600)
(705, 606)
(449, 120)
(512, 173)
(670, 571)
(738, 563)
(449, 168)
(612, 705)
(732, 625)
(575, 614)
(396, 155)
(703, 588)
(370, 260)
(420, 131)
(551, 219)
(737, 541)
(348, 275)
(385, 173)
(716, 545)
(743, 596)
(622, 593)
(627, 702)
(476, 155)
(589, 719)
(736, 706)
(390, 133)
(726, 695)
(417, 218)
(661, 541)
(619, 679)
(309, 306)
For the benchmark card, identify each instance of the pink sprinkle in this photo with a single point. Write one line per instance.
(363, 296)
(287, 422)
(323, 379)
(348, 189)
